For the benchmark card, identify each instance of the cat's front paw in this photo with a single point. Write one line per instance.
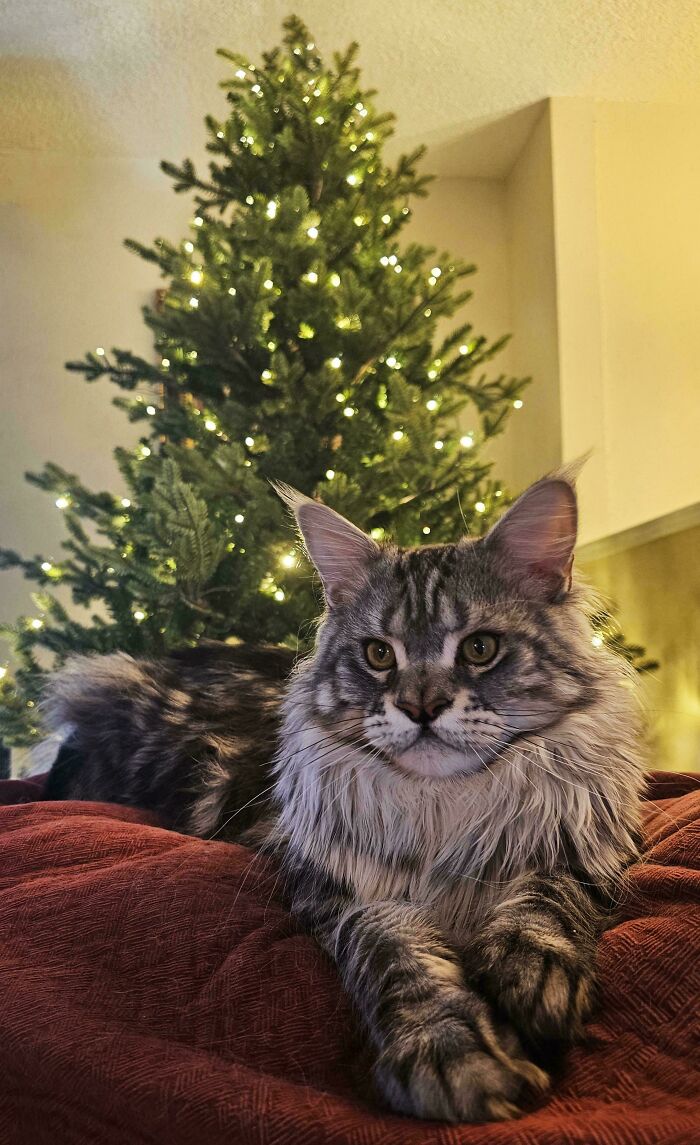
(540, 980)
(446, 1071)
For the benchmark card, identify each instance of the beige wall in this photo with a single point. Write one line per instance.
(656, 588)
(648, 164)
(533, 444)
(626, 181)
(69, 286)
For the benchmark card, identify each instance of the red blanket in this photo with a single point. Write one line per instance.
(153, 990)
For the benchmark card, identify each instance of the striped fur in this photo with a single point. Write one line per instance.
(459, 869)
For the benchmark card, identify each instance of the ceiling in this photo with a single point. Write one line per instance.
(135, 77)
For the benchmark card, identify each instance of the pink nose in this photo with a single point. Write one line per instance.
(426, 712)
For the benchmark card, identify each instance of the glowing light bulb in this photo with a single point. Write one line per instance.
(250, 442)
(384, 260)
(268, 284)
(359, 220)
(392, 260)
(210, 424)
(431, 405)
(165, 362)
(427, 312)
(288, 561)
(256, 88)
(249, 200)
(340, 397)
(312, 232)
(464, 349)
(194, 302)
(145, 451)
(271, 209)
(266, 375)
(480, 507)
(100, 351)
(319, 118)
(517, 404)
(139, 614)
(597, 641)
(232, 291)
(239, 518)
(311, 277)
(189, 247)
(351, 179)
(436, 272)
(36, 623)
(196, 277)
(272, 345)
(126, 503)
(279, 595)
(198, 220)
(3, 673)
(335, 280)
(240, 74)
(336, 363)
(398, 268)
(369, 136)
(397, 434)
(62, 502)
(426, 529)
(46, 566)
(467, 441)
(150, 410)
(330, 474)
(432, 374)
(349, 411)
(386, 218)
(498, 493)
(439, 444)
(391, 361)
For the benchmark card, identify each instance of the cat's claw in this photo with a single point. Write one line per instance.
(439, 1079)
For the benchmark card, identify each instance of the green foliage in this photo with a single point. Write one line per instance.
(299, 338)
(608, 630)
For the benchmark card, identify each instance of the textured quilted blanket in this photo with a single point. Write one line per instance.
(153, 990)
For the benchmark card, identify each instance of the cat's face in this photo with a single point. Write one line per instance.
(445, 655)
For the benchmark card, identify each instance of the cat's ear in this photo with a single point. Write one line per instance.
(536, 536)
(340, 551)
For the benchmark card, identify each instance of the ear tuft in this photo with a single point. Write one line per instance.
(536, 536)
(340, 551)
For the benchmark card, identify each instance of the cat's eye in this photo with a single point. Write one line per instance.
(479, 648)
(379, 655)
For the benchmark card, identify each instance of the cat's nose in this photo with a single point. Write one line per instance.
(425, 712)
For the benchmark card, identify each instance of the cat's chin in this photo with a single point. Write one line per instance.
(436, 760)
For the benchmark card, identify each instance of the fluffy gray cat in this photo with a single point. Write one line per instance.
(453, 796)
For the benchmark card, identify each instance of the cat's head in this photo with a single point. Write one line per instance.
(447, 654)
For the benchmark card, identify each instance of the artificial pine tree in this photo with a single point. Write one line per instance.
(297, 338)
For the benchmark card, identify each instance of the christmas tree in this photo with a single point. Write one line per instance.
(297, 338)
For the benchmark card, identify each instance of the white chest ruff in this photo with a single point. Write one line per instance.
(451, 845)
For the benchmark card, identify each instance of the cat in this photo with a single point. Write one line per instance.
(454, 794)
